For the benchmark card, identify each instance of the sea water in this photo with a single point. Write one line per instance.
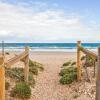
(64, 47)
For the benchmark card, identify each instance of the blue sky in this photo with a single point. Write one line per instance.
(79, 6)
(49, 20)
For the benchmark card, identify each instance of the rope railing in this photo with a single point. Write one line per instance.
(85, 51)
(24, 55)
(15, 59)
(95, 57)
(88, 52)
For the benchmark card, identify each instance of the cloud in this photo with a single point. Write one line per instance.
(21, 23)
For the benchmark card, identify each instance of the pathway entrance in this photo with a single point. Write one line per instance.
(47, 83)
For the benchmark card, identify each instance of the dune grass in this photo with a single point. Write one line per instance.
(18, 73)
(21, 88)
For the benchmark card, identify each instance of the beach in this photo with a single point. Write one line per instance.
(49, 50)
(48, 86)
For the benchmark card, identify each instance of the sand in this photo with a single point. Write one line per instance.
(48, 87)
(47, 82)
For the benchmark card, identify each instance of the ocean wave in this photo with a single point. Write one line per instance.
(48, 46)
(61, 49)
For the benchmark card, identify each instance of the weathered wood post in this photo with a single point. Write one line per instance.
(98, 77)
(78, 61)
(26, 62)
(2, 79)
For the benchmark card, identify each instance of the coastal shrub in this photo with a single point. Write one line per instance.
(36, 64)
(15, 73)
(68, 73)
(73, 63)
(90, 61)
(40, 67)
(31, 80)
(18, 75)
(21, 90)
(34, 70)
(31, 63)
(69, 70)
(68, 78)
(35, 67)
(67, 63)
(7, 85)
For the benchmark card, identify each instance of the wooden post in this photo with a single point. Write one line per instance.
(26, 68)
(98, 77)
(2, 79)
(78, 61)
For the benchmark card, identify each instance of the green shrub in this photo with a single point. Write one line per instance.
(67, 63)
(68, 78)
(15, 73)
(18, 75)
(31, 63)
(68, 75)
(41, 68)
(63, 72)
(73, 63)
(31, 80)
(34, 70)
(21, 90)
(7, 85)
(35, 67)
(67, 70)
(90, 61)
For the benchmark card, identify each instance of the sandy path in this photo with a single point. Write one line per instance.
(47, 84)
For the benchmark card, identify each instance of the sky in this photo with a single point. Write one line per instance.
(50, 20)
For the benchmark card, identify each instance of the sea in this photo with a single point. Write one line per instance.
(62, 47)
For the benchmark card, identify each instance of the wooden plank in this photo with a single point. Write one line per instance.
(14, 60)
(98, 77)
(2, 81)
(78, 61)
(26, 68)
(91, 54)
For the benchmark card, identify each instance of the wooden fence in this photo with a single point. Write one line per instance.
(95, 57)
(24, 56)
